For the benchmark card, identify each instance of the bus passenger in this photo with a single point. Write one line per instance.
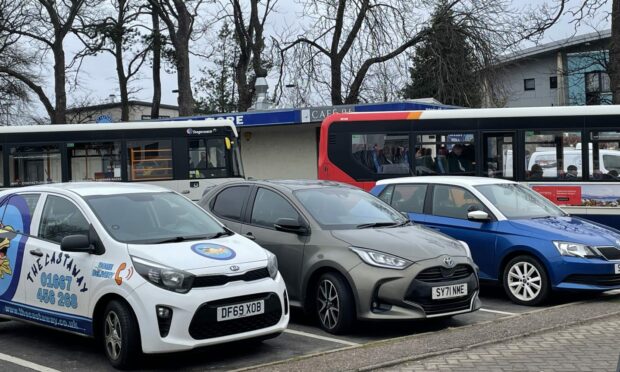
(536, 172)
(457, 162)
(572, 172)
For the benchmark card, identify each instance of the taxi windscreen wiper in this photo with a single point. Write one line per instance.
(375, 224)
(220, 234)
(178, 239)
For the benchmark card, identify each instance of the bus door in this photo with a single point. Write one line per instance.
(498, 155)
(209, 159)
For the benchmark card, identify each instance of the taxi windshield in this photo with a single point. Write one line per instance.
(339, 208)
(152, 218)
(519, 202)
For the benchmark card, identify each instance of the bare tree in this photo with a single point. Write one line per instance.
(156, 47)
(44, 25)
(116, 33)
(249, 31)
(376, 32)
(179, 17)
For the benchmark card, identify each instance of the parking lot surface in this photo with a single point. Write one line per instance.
(49, 350)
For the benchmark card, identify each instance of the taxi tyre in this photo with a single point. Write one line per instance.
(515, 266)
(129, 339)
(333, 296)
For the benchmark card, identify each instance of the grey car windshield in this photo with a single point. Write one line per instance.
(519, 202)
(151, 218)
(344, 208)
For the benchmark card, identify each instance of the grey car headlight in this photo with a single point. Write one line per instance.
(163, 276)
(272, 264)
(574, 249)
(380, 259)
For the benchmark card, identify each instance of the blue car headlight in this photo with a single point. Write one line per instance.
(574, 249)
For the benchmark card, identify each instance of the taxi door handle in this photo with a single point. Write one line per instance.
(36, 252)
(250, 236)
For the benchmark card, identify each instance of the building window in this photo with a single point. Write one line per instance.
(553, 82)
(598, 88)
(529, 84)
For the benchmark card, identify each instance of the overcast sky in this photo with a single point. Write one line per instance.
(98, 76)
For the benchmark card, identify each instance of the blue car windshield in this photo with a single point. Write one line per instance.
(340, 208)
(519, 202)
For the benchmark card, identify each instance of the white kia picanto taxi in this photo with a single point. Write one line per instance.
(139, 267)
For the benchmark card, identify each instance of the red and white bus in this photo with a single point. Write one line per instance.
(569, 154)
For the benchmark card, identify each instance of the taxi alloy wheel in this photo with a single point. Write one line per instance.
(120, 335)
(335, 306)
(525, 281)
(113, 335)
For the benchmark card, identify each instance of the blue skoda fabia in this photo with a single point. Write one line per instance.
(516, 236)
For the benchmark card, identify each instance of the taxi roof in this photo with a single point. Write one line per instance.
(93, 188)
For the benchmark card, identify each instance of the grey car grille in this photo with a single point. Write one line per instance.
(442, 274)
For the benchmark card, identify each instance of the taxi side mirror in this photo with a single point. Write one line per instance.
(76, 243)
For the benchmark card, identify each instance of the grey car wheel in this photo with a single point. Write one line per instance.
(335, 306)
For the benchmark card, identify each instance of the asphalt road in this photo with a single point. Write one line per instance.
(25, 347)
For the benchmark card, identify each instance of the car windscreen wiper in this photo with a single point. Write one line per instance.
(376, 224)
(220, 234)
(178, 239)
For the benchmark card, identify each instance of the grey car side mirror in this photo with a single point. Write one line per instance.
(291, 225)
(480, 216)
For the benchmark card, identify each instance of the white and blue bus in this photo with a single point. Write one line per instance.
(185, 156)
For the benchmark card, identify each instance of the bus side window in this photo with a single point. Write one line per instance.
(604, 156)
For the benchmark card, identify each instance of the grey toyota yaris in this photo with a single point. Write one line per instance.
(346, 255)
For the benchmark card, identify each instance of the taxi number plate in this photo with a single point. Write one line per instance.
(449, 291)
(240, 310)
(617, 268)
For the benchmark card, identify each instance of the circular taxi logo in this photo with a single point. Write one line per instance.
(214, 251)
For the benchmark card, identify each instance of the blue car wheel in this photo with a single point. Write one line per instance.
(526, 281)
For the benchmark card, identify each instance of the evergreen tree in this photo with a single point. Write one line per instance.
(444, 64)
(215, 91)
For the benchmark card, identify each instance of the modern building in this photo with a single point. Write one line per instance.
(111, 112)
(565, 72)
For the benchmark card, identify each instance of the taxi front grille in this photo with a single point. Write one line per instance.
(204, 324)
(442, 274)
(610, 253)
(217, 280)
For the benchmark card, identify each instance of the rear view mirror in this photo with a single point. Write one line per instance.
(479, 216)
(291, 225)
(76, 243)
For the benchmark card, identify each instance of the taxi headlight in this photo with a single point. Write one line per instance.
(380, 259)
(574, 249)
(272, 264)
(163, 276)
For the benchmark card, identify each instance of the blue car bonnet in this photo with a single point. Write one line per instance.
(569, 229)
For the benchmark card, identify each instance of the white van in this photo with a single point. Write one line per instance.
(139, 267)
(547, 159)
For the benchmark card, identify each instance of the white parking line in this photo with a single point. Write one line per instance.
(498, 312)
(324, 338)
(25, 363)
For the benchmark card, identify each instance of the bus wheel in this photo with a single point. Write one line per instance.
(526, 281)
(120, 334)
